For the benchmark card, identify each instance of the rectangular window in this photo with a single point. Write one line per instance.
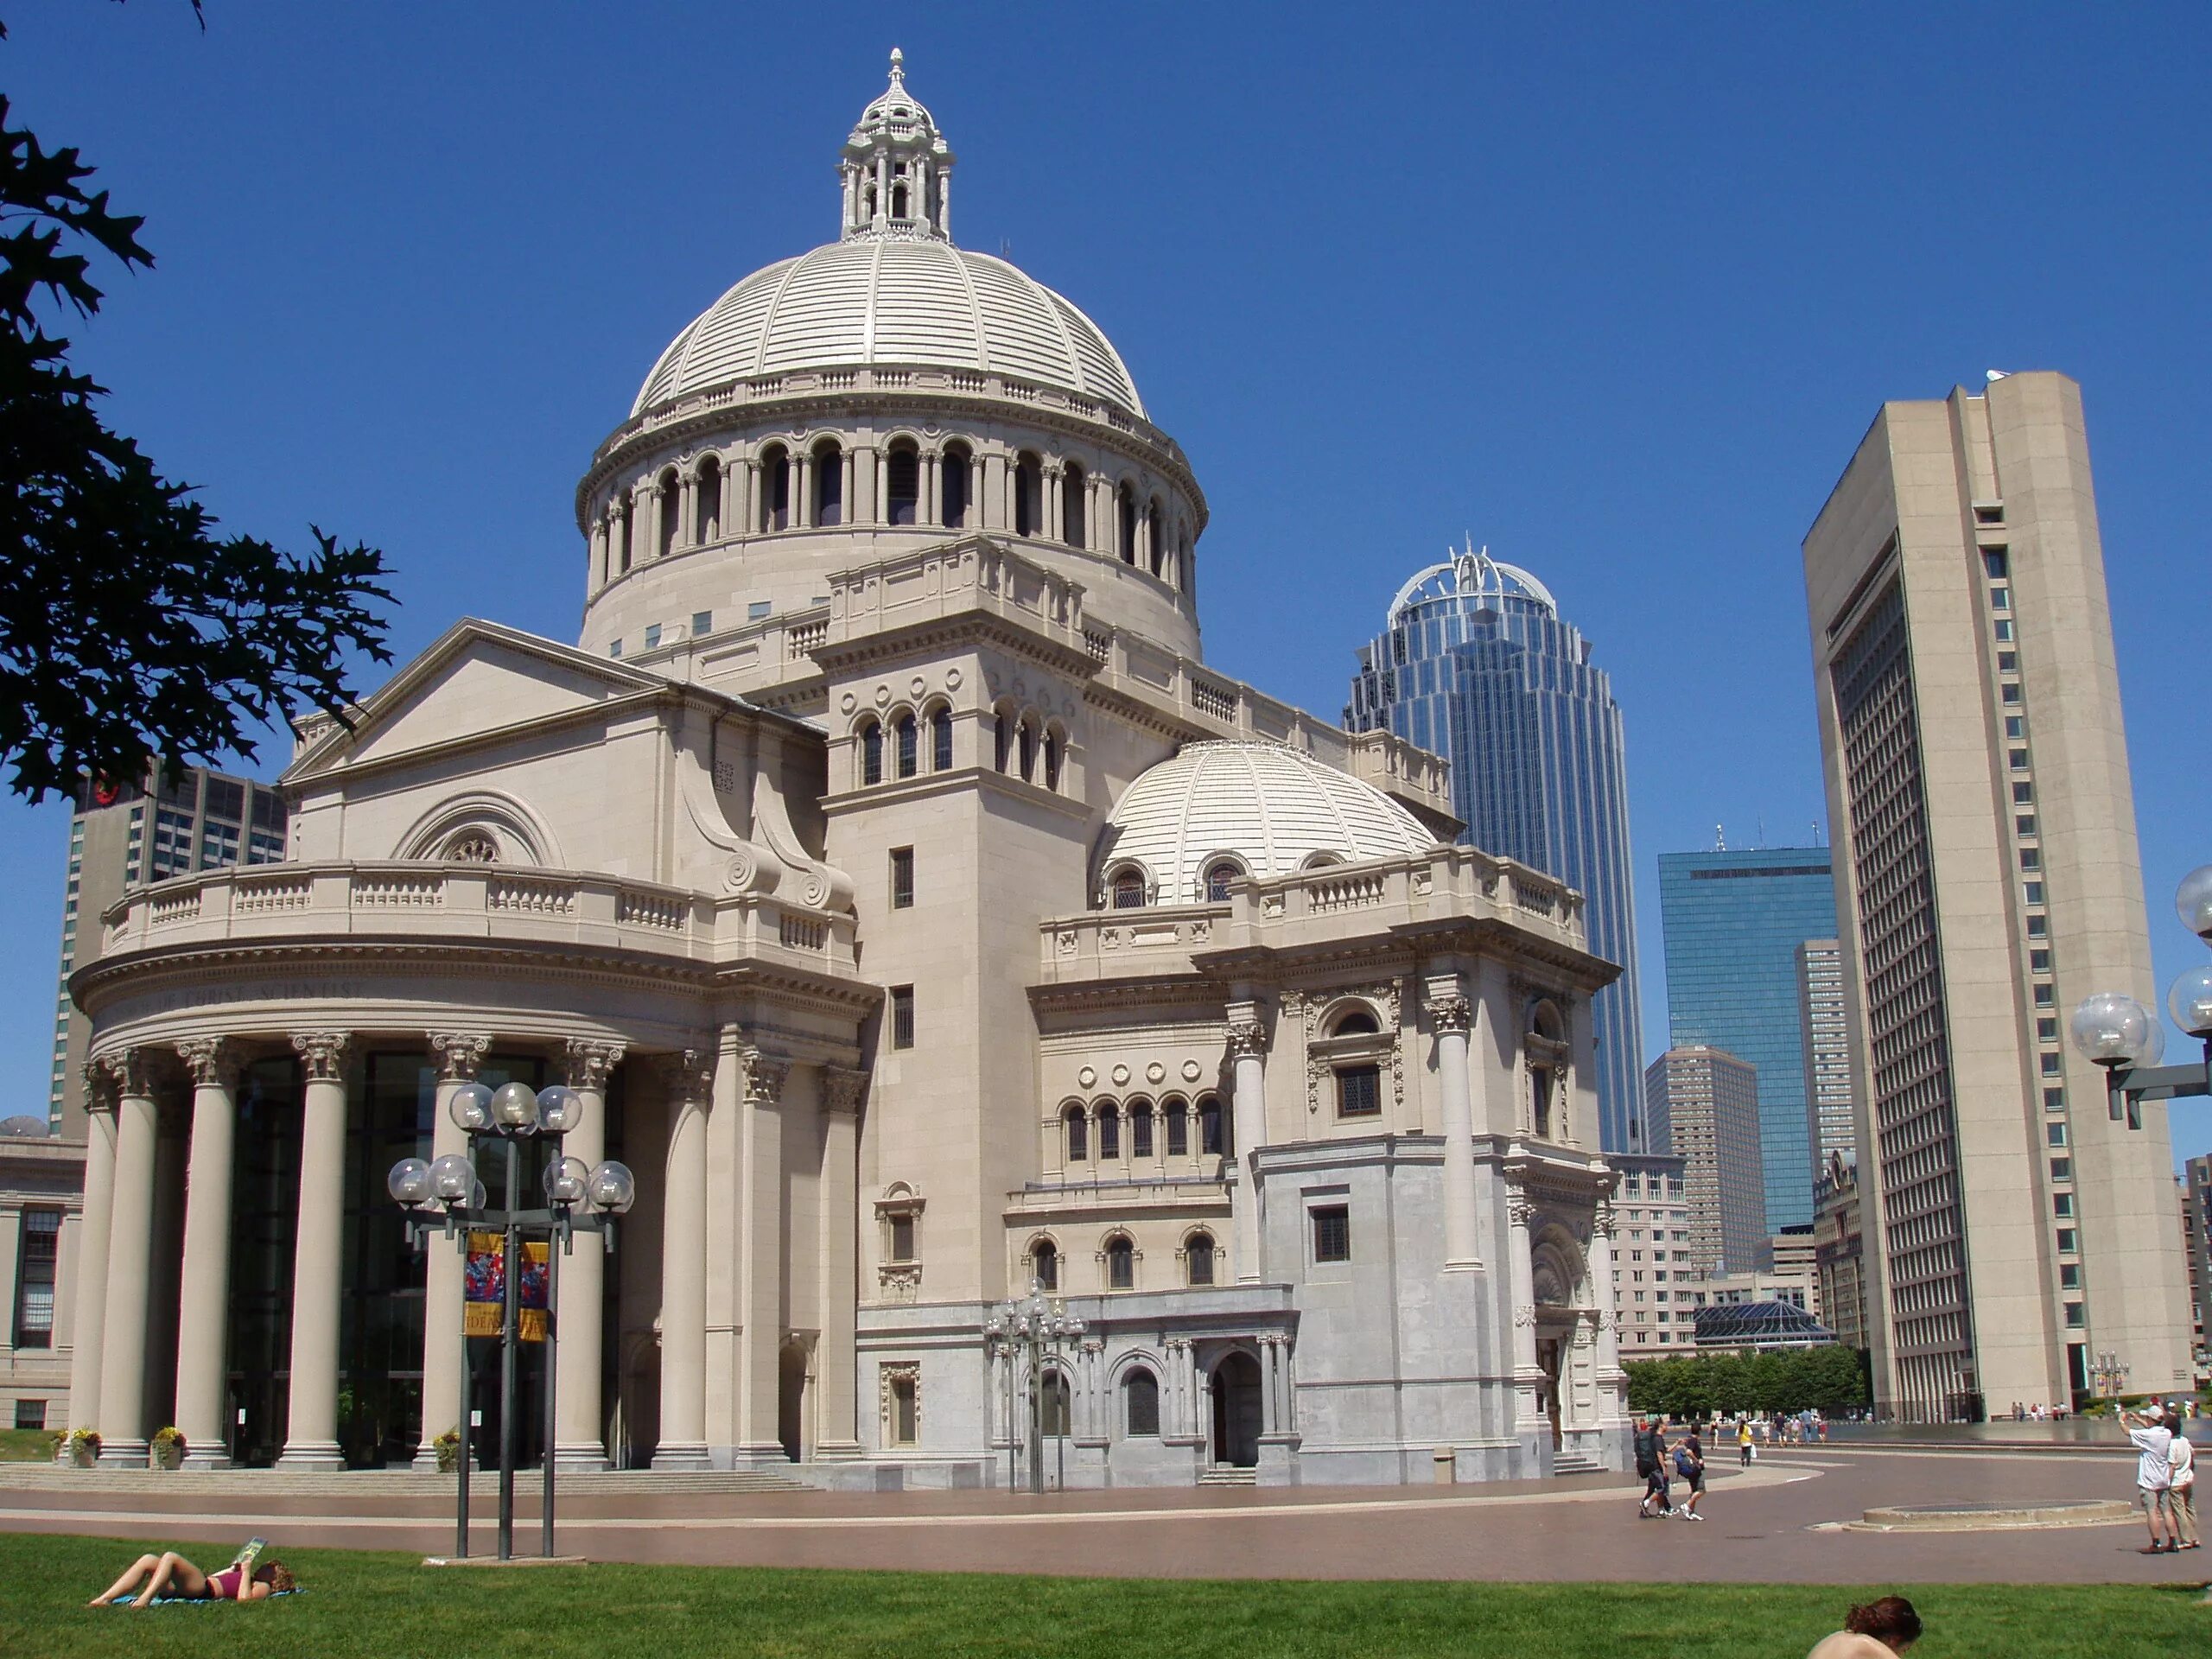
(262, 848)
(2019, 758)
(2000, 598)
(2045, 996)
(652, 635)
(2004, 626)
(902, 1016)
(2026, 823)
(2009, 693)
(2054, 1100)
(2074, 1320)
(902, 1412)
(2030, 858)
(2047, 1031)
(2067, 1243)
(2023, 794)
(902, 1238)
(2051, 1064)
(218, 845)
(759, 609)
(30, 1413)
(902, 878)
(2055, 1133)
(2032, 891)
(1332, 1234)
(1993, 558)
(2062, 1205)
(2039, 962)
(703, 622)
(2016, 725)
(1359, 1091)
(2039, 927)
(2069, 1276)
(2008, 662)
(36, 1253)
(2062, 1169)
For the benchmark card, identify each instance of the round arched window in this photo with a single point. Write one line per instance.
(1218, 876)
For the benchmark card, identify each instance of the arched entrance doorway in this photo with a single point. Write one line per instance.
(790, 1399)
(1236, 1411)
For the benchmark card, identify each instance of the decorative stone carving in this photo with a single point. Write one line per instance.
(842, 1088)
(213, 1061)
(128, 1071)
(590, 1064)
(899, 1282)
(460, 1054)
(688, 1074)
(1519, 1210)
(322, 1053)
(1248, 1038)
(1452, 1013)
(765, 1076)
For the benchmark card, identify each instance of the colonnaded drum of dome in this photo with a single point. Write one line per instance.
(907, 903)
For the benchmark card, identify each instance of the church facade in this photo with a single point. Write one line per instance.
(921, 919)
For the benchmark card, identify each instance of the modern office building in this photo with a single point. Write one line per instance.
(1475, 664)
(1987, 881)
(1651, 1235)
(1825, 1027)
(1839, 1249)
(2196, 1181)
(1704, 1103)
(125, 835)
(1733, 921)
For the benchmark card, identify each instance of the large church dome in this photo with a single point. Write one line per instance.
(1266, 808)
(878, 300)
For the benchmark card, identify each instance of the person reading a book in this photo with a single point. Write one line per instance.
(247, 1579)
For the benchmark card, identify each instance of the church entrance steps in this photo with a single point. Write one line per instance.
(1576, 1463)
(1225, 1475)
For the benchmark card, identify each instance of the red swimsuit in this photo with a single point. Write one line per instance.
(223, 1585)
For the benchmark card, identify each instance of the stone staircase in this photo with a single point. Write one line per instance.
(1222, 1474)
(1576, 1463)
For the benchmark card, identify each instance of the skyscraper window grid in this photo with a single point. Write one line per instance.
(1477, 664)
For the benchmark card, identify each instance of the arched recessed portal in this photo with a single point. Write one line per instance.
(790, 1399)
(1236, 1411)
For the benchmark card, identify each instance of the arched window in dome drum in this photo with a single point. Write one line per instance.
(829, 485)
(1129, 890)
(710, 499)
(999, 735)
(1078, 1130)
(1218, 877)
(1028, 494)
(1072, 504)
(1125, 546)
(872, 754)
(908, 743)
(1053, 761)
(1158, 538)
(903, 483)
(775, 490)
(1109, 1132)
(1179, 1128)
(941, 739)
(953, 488)
(1213, 1138)
(670, 510)
(1141, 1129)
(1026, 743)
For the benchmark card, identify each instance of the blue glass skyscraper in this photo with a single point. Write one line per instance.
(1733, 921)
(1476, 664)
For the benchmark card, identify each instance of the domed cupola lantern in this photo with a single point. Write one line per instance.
(897, 168)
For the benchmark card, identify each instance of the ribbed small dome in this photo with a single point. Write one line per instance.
(1270, 808)
(893, 302)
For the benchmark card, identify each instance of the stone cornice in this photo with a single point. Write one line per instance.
(1204, 996)
(974, 625)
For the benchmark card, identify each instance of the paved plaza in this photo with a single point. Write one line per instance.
(1772, 1523)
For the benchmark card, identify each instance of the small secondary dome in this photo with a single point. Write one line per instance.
(892, 290)
(1266, 808)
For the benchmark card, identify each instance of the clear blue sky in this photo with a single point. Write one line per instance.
(1615, 289)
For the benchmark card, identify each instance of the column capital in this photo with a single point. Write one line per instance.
(1451, 1013)
(1601, 1219)
(590, 1063)
(1520, 1210)
(765, 1076)
(213, 1062)
(459, 1053)
(1248, 1038)
(842, 1088)
(322, 1053)
(128, 1071)
(100, 1086)
(689, 1074)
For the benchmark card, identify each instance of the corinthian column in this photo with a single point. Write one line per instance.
(204, 1288)
(88, 1316)
(1247, 1043)
(689, 1077)
(577, 1406)
(1453, 1017)
(836, 1425)
(1613, 1381)
(760, 1257)
(311, 1430)
(129, 1262)
(1529, 1419)
(444, 1349)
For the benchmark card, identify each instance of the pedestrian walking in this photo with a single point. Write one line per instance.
(1744, 1441)
(1689, 1464)
(2181, 1458)
(1651, 1464)
(2154, 1476)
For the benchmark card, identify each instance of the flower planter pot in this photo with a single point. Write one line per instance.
(165, 1458)
(84, 1456)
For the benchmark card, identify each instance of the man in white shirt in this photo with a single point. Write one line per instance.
(2181, 1457)
(2154, 1475)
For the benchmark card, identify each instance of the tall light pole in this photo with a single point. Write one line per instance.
(1025, 1333)
(447, 1196)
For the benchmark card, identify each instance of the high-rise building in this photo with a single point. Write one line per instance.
(1733, 921)
(1826, 1030)
(1475, 664)
(1839, 1249)
(1986, 881)
(1652, 1234)
(1704, 1103)
(126, 836)
(2196, 1222)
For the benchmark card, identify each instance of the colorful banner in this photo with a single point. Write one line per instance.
(484, 1287)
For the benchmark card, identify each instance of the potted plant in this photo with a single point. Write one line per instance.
(167, 1451)
(83, 1447)
(447, 1446)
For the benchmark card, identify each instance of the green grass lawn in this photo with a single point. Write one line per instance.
(390, 1607)
(26, 1445)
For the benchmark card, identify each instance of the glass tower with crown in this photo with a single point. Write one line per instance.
(1475, 664)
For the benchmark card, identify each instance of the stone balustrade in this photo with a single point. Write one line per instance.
(1450, 882)
(440, 902)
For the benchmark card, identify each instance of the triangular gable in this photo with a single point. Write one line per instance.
(476, 679)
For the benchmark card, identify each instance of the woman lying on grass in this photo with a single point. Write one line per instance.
(171, 1574)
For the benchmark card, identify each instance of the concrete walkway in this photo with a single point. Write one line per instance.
(1776, 1522)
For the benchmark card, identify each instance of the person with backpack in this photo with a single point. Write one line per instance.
(1651, 1464)
(1689, 1464)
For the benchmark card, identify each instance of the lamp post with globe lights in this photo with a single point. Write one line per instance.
(2128, 1040)
(1025, 1333)
(446, 1196)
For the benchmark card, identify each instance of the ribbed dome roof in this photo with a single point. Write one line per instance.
(1270, 807)
(881, 300)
